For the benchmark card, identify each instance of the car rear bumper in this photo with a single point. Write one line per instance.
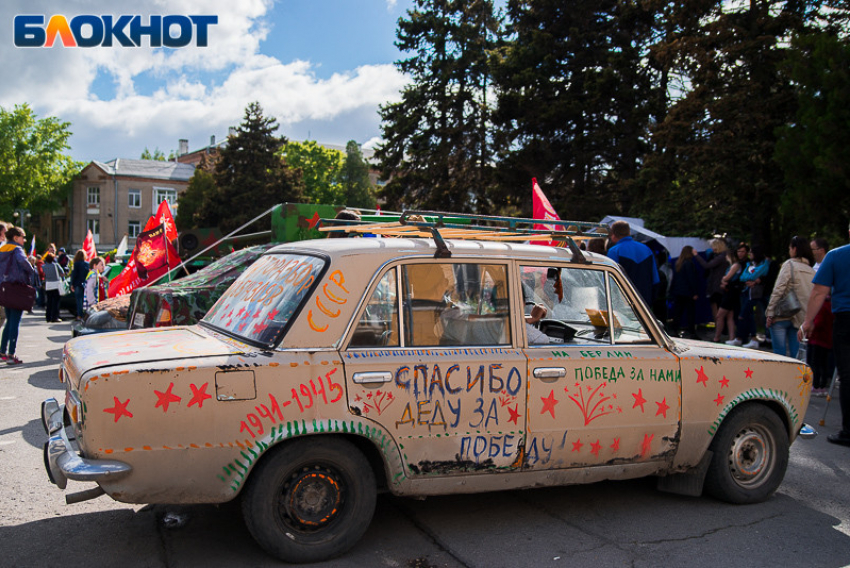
(61, 459)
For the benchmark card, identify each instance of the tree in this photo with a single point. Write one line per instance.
(814, 150)
(354, 178)
(320, 169)
(201, 189)
(157, 155)
(574, 100)
(711, 168)
(437, 153)
(34, 171)
(250, 176)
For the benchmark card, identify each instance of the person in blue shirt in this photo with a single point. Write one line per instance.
(834, 275)
(636, 259)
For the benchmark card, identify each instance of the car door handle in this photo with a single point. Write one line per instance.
(549, 373)
(371, 378)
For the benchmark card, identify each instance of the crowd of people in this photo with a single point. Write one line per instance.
(805, 298)
(40, 280)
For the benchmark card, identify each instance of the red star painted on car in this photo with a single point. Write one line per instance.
(595, 447)
(646, 444)
(314, 221)
(724, 382)
(749, 373)
(199, 395)
(272, 314)
(549, 403)
(662, 407)
(616, 445)
(514, 414)
(702, 377)
(166, 398)
(639, 400)
(577, 445)
(120, 409)
(719, 399)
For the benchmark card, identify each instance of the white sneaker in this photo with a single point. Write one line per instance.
(736, 342)
(754, 344)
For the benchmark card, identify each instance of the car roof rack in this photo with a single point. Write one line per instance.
(441, 225)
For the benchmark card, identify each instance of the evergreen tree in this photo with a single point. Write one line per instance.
(250, 176)
(436, 153)
(574, 97)
(814, 150)
(201, 189)
(711, 168)
(354, 178)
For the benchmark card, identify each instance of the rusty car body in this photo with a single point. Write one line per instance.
(336, 368)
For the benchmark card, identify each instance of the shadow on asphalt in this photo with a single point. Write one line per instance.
(623, 522)
(32, 432)
(45, 379)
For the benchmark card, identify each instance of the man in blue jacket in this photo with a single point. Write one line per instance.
(834, 275)
(636, 259)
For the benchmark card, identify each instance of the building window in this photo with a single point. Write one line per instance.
(93, 199)
(135, 198)
(133, 229)
(93, 225)
(161, 194)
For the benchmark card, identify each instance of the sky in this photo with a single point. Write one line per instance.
(320, 67)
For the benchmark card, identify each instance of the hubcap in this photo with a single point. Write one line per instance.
(311, 498)
(751, 456)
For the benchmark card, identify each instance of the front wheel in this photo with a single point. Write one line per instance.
(310, 500)
(750, 456)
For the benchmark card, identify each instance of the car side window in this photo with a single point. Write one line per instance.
(627, 326)
(575, 303)
(455, 304)
(378, 325)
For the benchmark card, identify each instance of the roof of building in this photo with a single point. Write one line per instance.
(152, 169)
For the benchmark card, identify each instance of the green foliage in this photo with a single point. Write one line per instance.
(201, 189)
(711, 168)
(814, 150)
(34, 172)
(574, 97)
(250, 176)
(437, 152)
(354, 179)
(320, 170)
(157, 155)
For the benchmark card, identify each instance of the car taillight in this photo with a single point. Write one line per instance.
(163, 317)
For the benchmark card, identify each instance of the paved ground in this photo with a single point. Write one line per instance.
(807, 523)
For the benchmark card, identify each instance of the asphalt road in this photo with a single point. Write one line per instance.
(807, 523)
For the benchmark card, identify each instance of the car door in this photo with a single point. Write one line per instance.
(430, 359)
(602, 389)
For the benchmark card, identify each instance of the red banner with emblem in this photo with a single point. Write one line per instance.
(153, 256)
(163, 217)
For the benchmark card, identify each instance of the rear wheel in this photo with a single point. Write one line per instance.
(750, 456)
(310, 500)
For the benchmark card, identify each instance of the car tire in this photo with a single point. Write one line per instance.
(750, 456)
(310, 500)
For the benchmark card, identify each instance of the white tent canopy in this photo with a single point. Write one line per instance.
(673, 245)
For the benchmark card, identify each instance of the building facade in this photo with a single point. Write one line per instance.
(117, 198)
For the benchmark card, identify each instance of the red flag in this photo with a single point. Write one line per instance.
(153, 256)
(543, 210)
(163, 217)
(88, 246)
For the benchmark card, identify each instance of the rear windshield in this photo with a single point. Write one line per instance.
(260, 304)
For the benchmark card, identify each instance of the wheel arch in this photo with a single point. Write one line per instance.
(378, 461)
